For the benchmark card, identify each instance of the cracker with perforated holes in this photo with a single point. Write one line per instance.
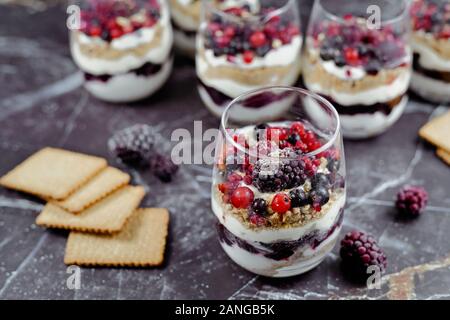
(104, 183)
(106, 216)
(141, 243)
(437, 131)
(53, 173)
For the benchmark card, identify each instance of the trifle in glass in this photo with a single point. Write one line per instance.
(361, 64)
(279, 184)
(247, 46)
(123, 47)
(431, 46)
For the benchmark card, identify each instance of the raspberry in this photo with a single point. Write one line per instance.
(242, 197)
(281, 203)
(133, 145)
(411, 200)
(359, 251)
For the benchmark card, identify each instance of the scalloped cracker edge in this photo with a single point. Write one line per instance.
(53, 173)
(106, 216)
(141, 243)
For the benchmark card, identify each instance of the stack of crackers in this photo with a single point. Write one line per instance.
(96, 203)
(437, 132)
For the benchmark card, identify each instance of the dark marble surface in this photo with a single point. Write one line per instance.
(42, 103)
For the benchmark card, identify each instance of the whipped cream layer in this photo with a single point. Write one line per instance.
(276, 57)
(429, 59)
(269, 235)
(383, 93)
(159, 55)
(129, 86)
(304, 259)
(431, 89)
(365, 125)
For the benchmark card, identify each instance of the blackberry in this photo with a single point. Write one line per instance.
(259, 206)
(358, 252)
(411, 200)
(285, 174)
(133, 145)
(163, 167)
(299, 198)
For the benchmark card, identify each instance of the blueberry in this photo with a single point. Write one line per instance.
(320, 180)
(293, 138)
(319, 195)
(259, 206)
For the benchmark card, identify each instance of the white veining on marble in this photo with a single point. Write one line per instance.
(24, 101)
(391, 204)
(23, 264)
(237, 292)
(20, 204)
(70, 123)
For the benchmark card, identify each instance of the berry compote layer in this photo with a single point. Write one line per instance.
(279, 206)
(364, 72)
(233, 58)
(431, 46)
(123, 48)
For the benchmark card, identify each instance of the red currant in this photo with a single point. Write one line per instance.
(281, 203)
(242, 197)
(351, 55)
(258, 39)
(248, 56)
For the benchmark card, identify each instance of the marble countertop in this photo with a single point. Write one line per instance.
(42, 103)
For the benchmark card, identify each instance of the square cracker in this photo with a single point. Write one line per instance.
(141, 243)
(53, 173)
(107, 216)
(101, 185)
(444, 155)
(437, 131)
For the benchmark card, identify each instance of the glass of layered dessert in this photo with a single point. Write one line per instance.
(278, 187)
(247, 45)
(123, 47)
(431, 47)
(186, 20)
(360, 61)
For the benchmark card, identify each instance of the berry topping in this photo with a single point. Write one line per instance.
(358, 252)
(257, 220)
(431, 17)
(111, 19)
(281, 203)
(244, 40)
(242, 197)
(163, 167)
(299, 198)
(354, 44)
(133, 145)
(259, 206)
(411, 200)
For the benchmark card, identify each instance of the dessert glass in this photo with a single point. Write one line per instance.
(123, 47)
(431, 46)
(361, 65)
(278, 187)
(245, 47)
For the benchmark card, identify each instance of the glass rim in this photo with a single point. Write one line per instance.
(400, 16)
(267, 16)
(330, 142)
